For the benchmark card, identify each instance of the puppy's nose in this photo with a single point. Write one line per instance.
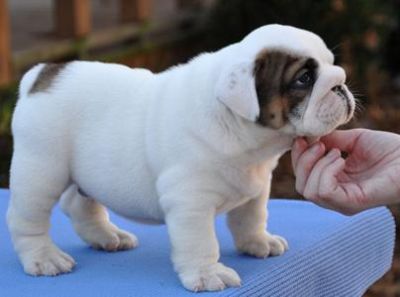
(338, 89)
(341, 92)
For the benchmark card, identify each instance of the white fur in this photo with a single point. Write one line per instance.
(178, 147)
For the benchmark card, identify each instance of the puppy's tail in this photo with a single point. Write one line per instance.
(28, 80)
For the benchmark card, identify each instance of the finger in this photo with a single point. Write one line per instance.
(311, 188)
(299, 146)
(305, 164)
(344, 140)
(331, 195)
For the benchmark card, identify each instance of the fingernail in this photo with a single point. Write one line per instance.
(332, 153)
(315, 148)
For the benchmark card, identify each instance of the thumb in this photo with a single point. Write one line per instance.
(344, 140)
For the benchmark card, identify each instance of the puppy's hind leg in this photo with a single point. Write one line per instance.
(36, 185)
(91, 221)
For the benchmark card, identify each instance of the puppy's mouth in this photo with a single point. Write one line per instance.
(334, 108)
(340, 91)
(343, 95)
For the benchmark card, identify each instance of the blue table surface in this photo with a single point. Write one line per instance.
(147, 270)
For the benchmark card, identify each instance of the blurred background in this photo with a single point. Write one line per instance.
(363, 34)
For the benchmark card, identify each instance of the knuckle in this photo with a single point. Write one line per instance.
(305, 159)
(310, 194)
(304, 168)
(315, 196)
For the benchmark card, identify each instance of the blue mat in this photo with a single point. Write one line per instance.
(330, 255)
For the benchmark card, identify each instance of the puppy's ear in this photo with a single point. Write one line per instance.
(236, 89)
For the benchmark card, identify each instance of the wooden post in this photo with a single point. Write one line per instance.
(135, 10)
(72, 18)
(5, 46)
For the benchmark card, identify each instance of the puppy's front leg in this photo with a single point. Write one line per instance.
(248, 224)
(195, 250)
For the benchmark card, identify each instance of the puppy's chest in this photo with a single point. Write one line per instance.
(244, 185)
(248, 182)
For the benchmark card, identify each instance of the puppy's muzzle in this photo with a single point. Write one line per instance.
(342, 93)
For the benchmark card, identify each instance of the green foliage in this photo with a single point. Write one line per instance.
(362, 24)
(392, 49)
(8, 98)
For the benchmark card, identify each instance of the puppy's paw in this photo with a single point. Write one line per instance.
(215, 277)
(48, 260)
(111, 239)
(263, 245)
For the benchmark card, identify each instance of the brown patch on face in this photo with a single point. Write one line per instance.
(274, 112)
(46, 77)
(278, 93)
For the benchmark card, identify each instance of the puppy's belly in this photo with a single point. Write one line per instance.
(135, 202)
(127, 194)
(118, 177)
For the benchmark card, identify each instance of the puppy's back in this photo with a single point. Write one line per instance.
(55, 100)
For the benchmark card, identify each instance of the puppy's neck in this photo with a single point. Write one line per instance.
(240, 141)
(257, 144)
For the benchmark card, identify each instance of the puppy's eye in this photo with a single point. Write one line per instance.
(305, 80)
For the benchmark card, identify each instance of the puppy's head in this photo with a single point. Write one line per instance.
(282, 77)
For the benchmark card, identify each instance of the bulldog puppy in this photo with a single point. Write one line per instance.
(179, 147)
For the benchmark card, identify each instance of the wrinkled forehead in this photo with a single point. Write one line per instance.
(290, 39)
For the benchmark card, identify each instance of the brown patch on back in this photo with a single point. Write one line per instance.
(46, 77)
(274, 71)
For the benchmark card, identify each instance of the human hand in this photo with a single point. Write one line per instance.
(368, 177)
